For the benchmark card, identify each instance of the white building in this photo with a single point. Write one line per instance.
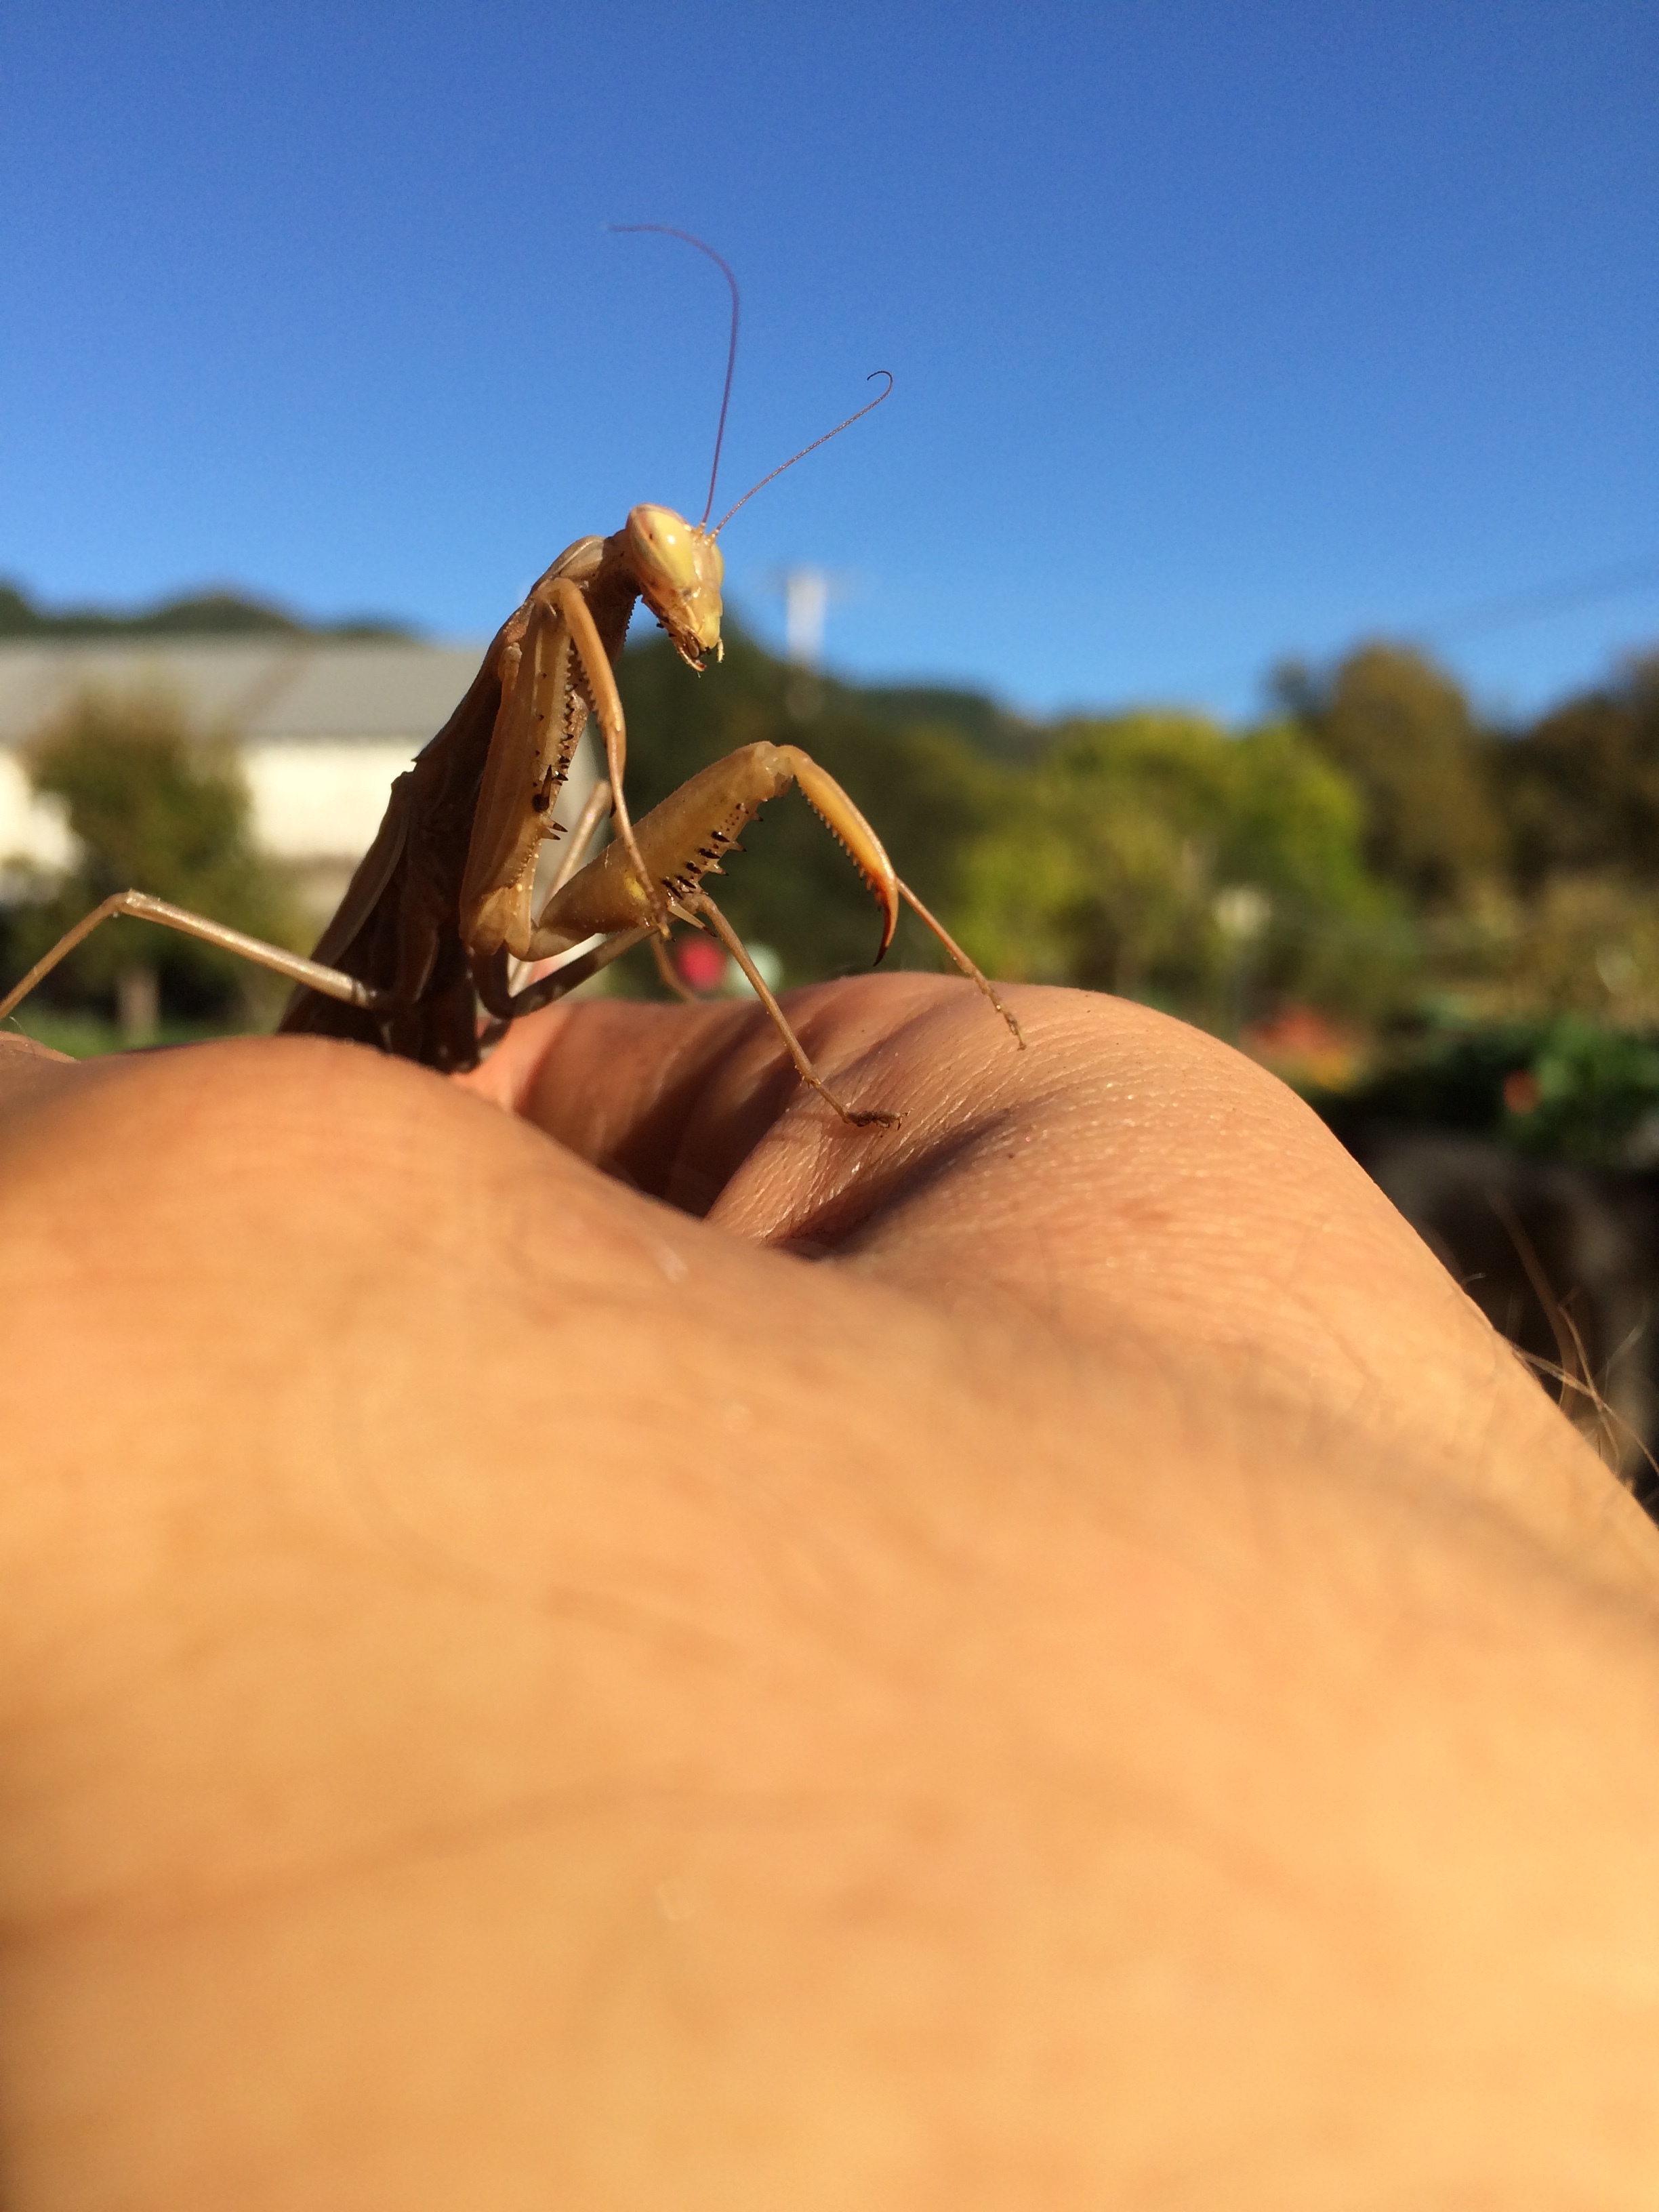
(322, 725)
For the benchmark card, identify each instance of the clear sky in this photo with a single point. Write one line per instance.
(1221, 331)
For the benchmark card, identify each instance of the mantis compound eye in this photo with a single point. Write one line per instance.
(663, 545)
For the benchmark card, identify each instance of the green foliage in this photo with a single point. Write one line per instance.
(1581, 944)
(1580, 791)
(990, 729)
(1596, 1096)
(1449, 1074)
(1530, 862)
(153, 807)
(1153, 855)
(1402, 730)
(1565, 1089)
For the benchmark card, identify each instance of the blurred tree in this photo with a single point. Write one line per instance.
(1588, 943)
(1580, 790)
(153, 807)
(1400, 729)
(1155, 856)
(1578, 942)
(199, 614)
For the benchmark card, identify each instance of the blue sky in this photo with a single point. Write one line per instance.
(1220, 332)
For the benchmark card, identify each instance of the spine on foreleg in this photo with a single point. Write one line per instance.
(682, 841)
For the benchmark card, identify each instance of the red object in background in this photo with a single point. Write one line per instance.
(1521, 1091)
(1293, 1033)
(1304, 1045)
(700, 965)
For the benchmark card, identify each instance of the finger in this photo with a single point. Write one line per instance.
(675, 1101)
(1128, 1180)
(617, 1081)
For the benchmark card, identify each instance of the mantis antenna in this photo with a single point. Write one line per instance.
(667, 230)
(805, 450)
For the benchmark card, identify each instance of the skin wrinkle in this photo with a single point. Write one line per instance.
(1180, 1774)
(688, 1641)
(1361, 1375)
(635, 1794)
(1364, 1374)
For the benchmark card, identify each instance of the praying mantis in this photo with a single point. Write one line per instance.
(442, 905)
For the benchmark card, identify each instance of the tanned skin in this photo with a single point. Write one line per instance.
(582, 1635)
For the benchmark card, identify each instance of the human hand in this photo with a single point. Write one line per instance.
(1107, 1680)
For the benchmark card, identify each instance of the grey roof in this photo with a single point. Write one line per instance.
(265, 691)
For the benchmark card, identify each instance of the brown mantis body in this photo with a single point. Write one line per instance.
(441, 904)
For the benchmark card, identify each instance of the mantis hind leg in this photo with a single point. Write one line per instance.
(971, 968)
(331, 982)
(700, 903)
(506, 1005)
(668, 976)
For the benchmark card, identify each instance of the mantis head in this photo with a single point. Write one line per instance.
(676, 564)
(679, 570)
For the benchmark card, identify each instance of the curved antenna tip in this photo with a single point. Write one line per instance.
(689, 238)
(812, 449)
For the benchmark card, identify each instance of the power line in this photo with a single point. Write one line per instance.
(1587, 589)
(1581, 590)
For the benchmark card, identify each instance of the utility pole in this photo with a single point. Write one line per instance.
(806, 596)
(805, 609)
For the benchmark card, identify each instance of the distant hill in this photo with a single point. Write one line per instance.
(971, 714)
(201, 614)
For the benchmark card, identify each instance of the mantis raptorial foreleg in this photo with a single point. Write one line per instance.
(575, 851)
(682, 840)
(606, 702)
(572, 854)
(572, 857)
(550, 676)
